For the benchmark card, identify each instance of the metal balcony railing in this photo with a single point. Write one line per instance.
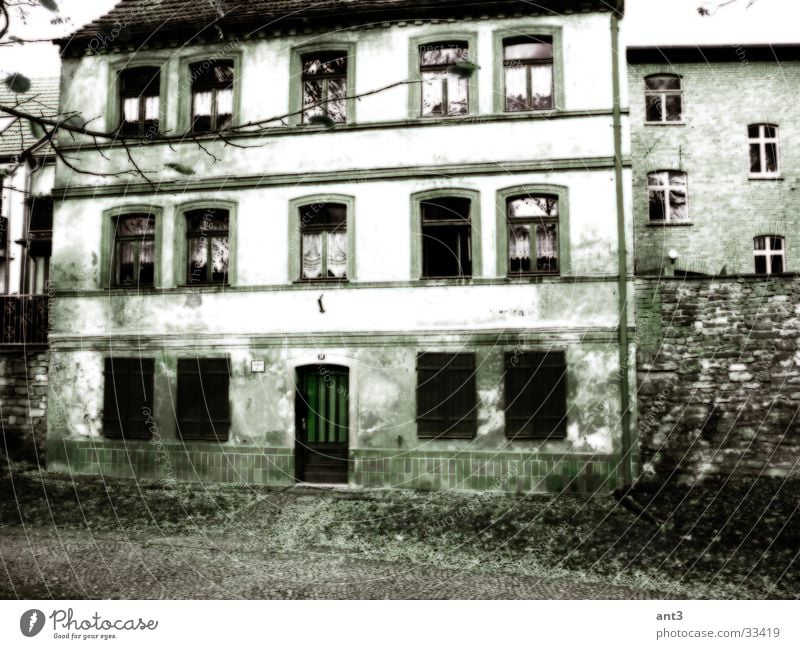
(23, 319)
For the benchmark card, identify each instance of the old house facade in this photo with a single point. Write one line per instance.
(413, 278)
(716, 165)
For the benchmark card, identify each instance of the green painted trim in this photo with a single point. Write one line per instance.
(501, 225)
(107, 245)
(529, 29)
(295, 78)
(340, 176)
(414, 76)
(294, 236)
(476, 236)
(180, 247)
(184, 90)
(113, 109)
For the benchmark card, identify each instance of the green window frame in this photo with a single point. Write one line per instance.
(296, 78)
(114, 108)
(309, 205)
(535, 32)
(135, 244)
(187, 85)
(182, 236)
(419, 227)
(504, 225)
(439, 40)
(107, 278)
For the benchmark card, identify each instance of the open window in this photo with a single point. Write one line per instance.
(764, 151)
(770, 255)
(446, 237)
(528, 73)
(444, 92)
(324, 78)
(663, 99)
(212, 95)
(134, 250)
(208, 246)
(533, 245)
(140, 102)
(667, 196)
(323, 241)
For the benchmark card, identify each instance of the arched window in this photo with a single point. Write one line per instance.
(324, 76)
(134, 250)
(140, 102)
(208, 246)
(663, 99)
(764, 153)
(532, 234)
(770, 255)
(323, 241)
(444, 92)
(446, 237)
(667, 196)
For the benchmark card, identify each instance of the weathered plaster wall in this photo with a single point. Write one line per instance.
(719, 376)
(23, 403)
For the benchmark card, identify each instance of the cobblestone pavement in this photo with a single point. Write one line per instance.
(42, 563)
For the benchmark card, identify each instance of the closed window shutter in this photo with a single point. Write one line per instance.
(536, 395)
(446, 395)
(203, 403)
(128, 397)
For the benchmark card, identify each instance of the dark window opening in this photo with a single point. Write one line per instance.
(323, 241)
(212, 95)
(209, 246)
(140, 101)
(536, 395)
(528, 73)
(446, 396)
(128, 398)
(533, 246)
(203, 403)
(324, 81)
(446, 238)
(134, 250)
(444, 92)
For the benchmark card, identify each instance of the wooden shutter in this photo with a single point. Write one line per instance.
(446, 396)
(536, 395)
(203, 404)
(128, 397)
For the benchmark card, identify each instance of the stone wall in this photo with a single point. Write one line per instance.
(23, 403)
(719, 376)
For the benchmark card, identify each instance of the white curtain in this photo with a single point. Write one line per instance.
(151, 105)
(202, 104)
(130, 109)
(519, 242)
(312, 256)
(337, 254)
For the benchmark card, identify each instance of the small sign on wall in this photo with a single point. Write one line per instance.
(257, 366)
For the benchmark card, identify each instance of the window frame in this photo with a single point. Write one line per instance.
(137, 240)
(528, 64)
(106, 275)
(469, 359)
(147, 374)
(503, 195)
(209, 235)
(762, 140)
(180, 266)
(180, 400)
(528, 30)
(186, 100)
(768, 253)
(417, 241)
(114, 104)
(648, 93)
(530, 356)
(415, 73)
(296, 91)
(667, 188)
(295, 266)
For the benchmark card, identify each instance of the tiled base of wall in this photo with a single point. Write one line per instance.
(480, 471)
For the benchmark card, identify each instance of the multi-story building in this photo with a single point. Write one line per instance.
(716, 206)
(385, 244)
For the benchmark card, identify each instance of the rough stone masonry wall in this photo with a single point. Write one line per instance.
(23, 403)
(719, 376)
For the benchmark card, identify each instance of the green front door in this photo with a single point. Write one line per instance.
(322, 423)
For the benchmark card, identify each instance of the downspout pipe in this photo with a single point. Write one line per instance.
(622, 260)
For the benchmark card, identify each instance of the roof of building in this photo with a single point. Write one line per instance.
(190, 17)
(673, 54)
(41, 99)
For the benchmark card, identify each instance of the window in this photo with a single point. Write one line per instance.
(134, 250)
(764, 159)
(532, 235)
(446, 396)
(139, 99)
(209, 246)
(667, 195)
(536, 395)
(203, 406)
(446, 237)
(323, 241)
(528, 73)
(212, 95)
(324, 79)
(128, 397)
(663, 99)
(444, 91)
(769, 255)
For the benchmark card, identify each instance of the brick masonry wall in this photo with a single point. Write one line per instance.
(719, 376)
(23, 403)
